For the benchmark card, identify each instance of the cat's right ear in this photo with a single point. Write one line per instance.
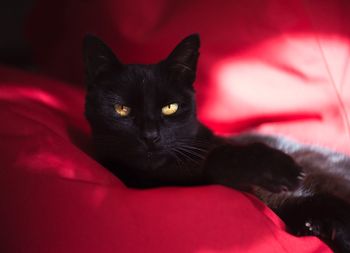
(182, 61)
(98, 58)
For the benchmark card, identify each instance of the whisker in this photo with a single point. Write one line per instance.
(186, 156)
(194, 143)
(181, 164)
(178, 160)
(194, 139)
(192, 152)
(195, 148)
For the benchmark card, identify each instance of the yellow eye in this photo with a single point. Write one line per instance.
(170, 109)
(122, 110)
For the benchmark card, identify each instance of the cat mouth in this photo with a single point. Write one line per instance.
(153, 150)
(155, 160)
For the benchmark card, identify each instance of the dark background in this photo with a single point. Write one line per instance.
(14, 49)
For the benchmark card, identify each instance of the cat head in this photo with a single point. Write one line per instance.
(142, 115)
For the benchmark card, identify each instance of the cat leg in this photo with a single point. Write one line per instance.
(323, 216)
(245, 166)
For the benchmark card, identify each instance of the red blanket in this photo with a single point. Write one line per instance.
(276, 66)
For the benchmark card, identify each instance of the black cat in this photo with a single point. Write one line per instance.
(145, 130)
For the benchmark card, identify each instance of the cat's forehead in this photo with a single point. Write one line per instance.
(150, 75)
(144, 79)
(138, 84)
(138, 76)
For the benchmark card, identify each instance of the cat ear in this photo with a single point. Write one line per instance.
(98, 58)
(182, 61)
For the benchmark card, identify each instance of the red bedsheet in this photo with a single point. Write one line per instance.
(274, 66)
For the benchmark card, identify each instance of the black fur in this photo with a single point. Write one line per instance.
(307, 187)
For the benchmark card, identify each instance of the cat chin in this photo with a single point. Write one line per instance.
(156, 160)
(146, 161)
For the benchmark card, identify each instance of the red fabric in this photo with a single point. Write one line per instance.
(56, 198)
(276, 66)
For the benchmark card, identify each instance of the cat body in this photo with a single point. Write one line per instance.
(145, 130)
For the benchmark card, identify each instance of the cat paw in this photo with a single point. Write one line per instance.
(245, 166)
(278, 172)
(335, 234)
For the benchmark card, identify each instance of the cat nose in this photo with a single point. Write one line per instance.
(151, 137)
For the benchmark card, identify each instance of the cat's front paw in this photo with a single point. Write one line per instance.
(334, 233)
(276, 171)
(245, 166)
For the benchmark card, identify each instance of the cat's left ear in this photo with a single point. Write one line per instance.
(98, 58)
(182, 61)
